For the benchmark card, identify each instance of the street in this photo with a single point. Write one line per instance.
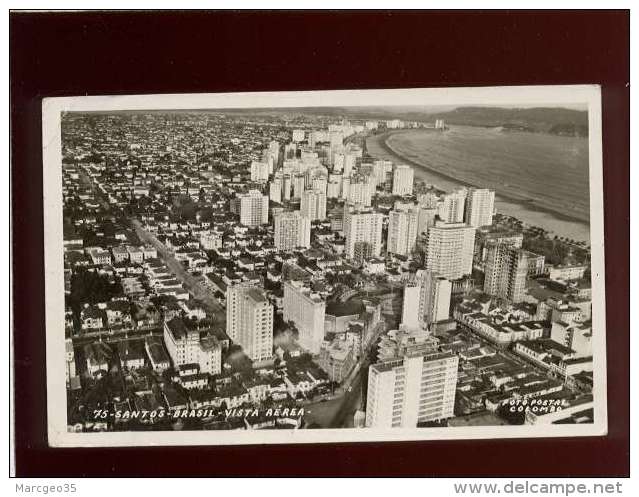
(190, 282)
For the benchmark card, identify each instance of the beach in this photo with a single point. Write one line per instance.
(540, 179)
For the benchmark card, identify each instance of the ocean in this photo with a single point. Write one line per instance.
(541, 179)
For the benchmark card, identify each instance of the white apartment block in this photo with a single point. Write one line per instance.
(298, 135)
(298, 182)
(249, 320)
(362, 226)
(210, 240)
(185, 347)
(451, 208)
(410, 390)
(252, 208)
(449, 249)
(403, 180)
(577, 336)
(506, 272)
(426, 299)
(307, 310)
(381, 170)
(411, 318)
(275, 190)
(313, 204)
(402, 230)
(480, 205)
(259, 171)
(292, 229)
(360, 191)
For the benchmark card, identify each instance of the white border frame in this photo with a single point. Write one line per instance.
(523, 96)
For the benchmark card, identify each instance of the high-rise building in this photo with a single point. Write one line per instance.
(346, 187)
(252, 208)
(334, 186)
(274, 150)
(350, 159)
(411, 318)
(338, 162)
(306, 309)
(489, 235)
(403, 180)
(412, 389)
(425, 219)
(313, 204)
(259, 171)
(360, 191)
(292, 229)
(451, 207)
(434, 302)
(286, 187)
(249, 320)
(449, 249)
(382, 169)
(480, 204)
(188, 344)
(429, 200)
(275, 190)
(362, 226)
(402, 230)
(506, 272)
(426, 299)
(299, 185)
(298, 135)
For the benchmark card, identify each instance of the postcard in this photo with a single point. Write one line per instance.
(329, 266)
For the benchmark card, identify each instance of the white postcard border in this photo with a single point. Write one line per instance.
(54, 265)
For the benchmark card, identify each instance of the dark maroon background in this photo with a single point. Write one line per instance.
(177, 52)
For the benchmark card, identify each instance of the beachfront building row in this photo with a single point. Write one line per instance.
(449, 249)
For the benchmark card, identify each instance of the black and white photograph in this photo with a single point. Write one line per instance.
(324, 266)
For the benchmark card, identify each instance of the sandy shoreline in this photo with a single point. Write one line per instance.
(529, 204)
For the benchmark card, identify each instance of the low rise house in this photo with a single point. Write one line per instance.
(98, 357)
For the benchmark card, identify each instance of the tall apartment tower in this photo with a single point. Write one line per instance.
(249, 320)
(292, 230)
(274, 150)
(426, 299)
(411, 317)
(313, 204)
(480, 204)
(275, 190)
(402, 230)
(362, 228)
(298, 182)
(403, 180)
(252, 208)
(506, 272)
(434, 303)
(449, 249)
(414, 389)
(307, 310)
(259, 171)
(360, 190)
(451, 207)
